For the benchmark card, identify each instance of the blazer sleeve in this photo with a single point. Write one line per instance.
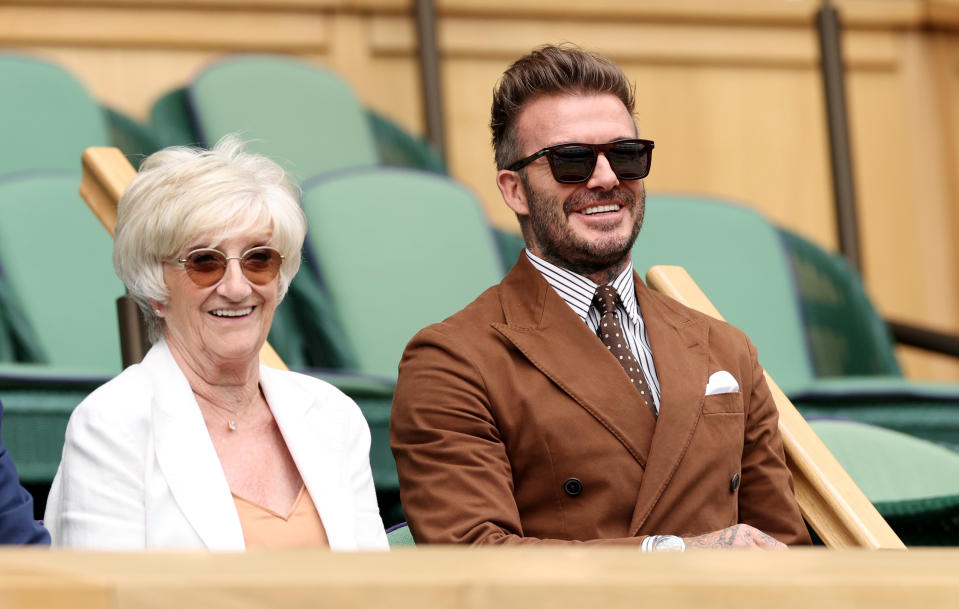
(767, 500)
(455, 480)
(17, 525)
(97, 497)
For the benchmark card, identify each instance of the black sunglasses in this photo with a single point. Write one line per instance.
(574, 163)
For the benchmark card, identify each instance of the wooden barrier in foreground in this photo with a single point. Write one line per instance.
(830, 500)
(474, 578)
(106, 174)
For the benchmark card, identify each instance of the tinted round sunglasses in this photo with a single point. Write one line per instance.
(207, 266)
(574, 162)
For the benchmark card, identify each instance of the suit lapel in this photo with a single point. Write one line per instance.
(557, 342)
(187, 458)
(681, 356)
(316, 451)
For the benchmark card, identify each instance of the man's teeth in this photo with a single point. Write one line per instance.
(232, 312)
(600, 209)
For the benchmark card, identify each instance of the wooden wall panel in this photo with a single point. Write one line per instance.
(730, 91)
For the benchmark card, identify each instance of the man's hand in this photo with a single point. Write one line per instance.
(736, 536)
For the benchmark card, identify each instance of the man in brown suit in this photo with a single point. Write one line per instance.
(522, 419)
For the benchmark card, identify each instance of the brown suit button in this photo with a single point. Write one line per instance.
(573, 487)
(734, 483)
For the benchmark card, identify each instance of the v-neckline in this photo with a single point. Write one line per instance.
(289, 513)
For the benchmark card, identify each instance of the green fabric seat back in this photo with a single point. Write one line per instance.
(47, 118)
(302, 116)
(302, 332)
(510, 245)
(136, 141)
(56, 259)
(399, 148)
(8, 351)
(400, 536)
(846, 335)
(397, 250)
(913, 483)
(171, 122)
(737, 258)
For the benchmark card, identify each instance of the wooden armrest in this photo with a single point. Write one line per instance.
(829, 499)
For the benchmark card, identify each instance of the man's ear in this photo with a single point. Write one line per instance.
(514, 195)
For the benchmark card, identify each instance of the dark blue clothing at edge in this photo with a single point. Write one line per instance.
(17, 525)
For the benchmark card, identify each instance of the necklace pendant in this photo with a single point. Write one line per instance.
(231, 424)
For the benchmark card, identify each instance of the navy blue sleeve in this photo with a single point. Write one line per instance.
(17, 525)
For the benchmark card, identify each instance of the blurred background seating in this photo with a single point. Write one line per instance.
(730, 93)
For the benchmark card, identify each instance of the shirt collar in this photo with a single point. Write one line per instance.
(578, 291)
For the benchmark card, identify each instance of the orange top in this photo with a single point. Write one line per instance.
(264, 528)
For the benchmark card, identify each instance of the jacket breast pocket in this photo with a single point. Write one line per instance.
(721, 430)
(723, 403)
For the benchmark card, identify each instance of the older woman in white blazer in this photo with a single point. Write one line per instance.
(199, 446)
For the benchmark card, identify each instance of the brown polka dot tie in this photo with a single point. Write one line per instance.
(611, 333)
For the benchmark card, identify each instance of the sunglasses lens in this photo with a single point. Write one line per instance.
(629, 160)
(205, 267)
(572, 164)
(261, 264)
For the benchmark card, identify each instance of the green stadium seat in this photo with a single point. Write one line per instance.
(746, 267)
(398, 148)
(737, 259)
(47, 118)
(510, 245)
(37, 402)
(136, 141)
(172, 125)
(396, 250)
(300, 115)
(57, 264)
(171, 122)
(58, 290)
(914, 484)
(301, 333)
(400, 535)
(846, 335)
(379, 238)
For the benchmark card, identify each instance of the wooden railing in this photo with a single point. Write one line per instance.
(477, 578)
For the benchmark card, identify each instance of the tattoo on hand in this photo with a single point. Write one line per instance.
(736, 536)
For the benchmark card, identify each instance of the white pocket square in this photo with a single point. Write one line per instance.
(721, 382)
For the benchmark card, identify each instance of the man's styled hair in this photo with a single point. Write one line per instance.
(549, 70)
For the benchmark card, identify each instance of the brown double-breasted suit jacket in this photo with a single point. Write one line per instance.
(512, 423)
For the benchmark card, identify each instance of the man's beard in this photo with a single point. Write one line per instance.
(548, 220)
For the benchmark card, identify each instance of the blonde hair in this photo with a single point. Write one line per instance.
(181, 193)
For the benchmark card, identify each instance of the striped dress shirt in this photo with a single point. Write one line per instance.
(577, 291)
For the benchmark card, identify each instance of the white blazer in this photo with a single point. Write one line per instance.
(139, 470)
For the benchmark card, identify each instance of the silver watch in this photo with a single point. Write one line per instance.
(663, 543)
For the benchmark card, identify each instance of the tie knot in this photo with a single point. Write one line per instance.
(605, 299)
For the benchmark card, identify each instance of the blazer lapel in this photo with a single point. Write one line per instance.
(680, 352)
(187, 458)
(316, 451)
(555, 340)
